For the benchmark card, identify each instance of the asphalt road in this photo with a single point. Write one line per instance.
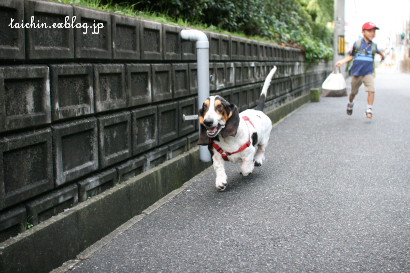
(333, 196)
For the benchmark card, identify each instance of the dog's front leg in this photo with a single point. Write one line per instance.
(219, 168)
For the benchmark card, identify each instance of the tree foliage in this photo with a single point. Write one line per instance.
(301, 23)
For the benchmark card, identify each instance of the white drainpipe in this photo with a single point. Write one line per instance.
(202, 46)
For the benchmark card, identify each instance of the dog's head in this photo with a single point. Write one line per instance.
(217, 116)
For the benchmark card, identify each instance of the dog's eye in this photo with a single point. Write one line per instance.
(204, 107)
(219, 107)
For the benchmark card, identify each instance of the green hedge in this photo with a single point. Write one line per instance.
(300, 23)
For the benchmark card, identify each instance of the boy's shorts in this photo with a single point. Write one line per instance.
(357, 81)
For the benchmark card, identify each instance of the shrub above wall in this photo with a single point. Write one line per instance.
(80, 113)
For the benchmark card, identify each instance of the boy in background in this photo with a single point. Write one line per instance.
(362, 54)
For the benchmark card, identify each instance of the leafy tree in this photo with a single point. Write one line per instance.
(300, 23)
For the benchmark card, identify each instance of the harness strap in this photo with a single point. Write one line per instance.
(245, 118)
(226, 154)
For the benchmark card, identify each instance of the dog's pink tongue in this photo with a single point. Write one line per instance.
(212, 130)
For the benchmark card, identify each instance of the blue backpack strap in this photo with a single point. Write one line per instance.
(356, 48)
(358, 44)
(374, 49)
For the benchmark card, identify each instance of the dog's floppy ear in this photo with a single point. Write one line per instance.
(203, 137)
(231, 126)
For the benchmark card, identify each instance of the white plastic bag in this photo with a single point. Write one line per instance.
(335, 81)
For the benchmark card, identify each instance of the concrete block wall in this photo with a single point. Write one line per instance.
(83, 109)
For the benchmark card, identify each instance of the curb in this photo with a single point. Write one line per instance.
(282, 111)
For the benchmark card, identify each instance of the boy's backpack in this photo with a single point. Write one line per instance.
(356, 48)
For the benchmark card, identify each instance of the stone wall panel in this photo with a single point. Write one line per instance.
(51, 204)
(156, 157)
(187, 107)
(114, 138)
(220, 74)
(131, 168)
(12, 39)
(144, 129)
(12, 222)
(193, 78)
(24, 97)
(72, 90)
(151, 40)
(188, 49)
(180, 76)
(171, 42)
(75, 149)
(214, 46)
(109, 82)
(168, 117)
(161, 82)
(26, 166)
(49, 42)
(96, 184)
(226, 47)
(177, 148)
(139, 84)
(93, 41)
(125, 38)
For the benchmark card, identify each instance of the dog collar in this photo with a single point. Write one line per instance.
(243, 147)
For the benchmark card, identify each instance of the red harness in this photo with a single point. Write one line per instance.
(243, 147)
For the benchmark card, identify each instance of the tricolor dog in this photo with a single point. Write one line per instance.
(232, 136)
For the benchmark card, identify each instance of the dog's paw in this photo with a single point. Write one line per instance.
(247, 168)
(245, 173)
(258, 164)
(223, 188)
(221, 184)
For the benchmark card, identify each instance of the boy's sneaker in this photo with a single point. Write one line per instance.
(349, 109)
(369, 113)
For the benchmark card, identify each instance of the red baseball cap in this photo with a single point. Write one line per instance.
(369, 25)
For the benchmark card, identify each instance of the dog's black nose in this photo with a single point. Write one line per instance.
(208, 122)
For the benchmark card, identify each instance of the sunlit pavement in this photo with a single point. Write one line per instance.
(333, 196)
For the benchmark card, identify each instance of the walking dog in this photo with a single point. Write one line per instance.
(233, 136)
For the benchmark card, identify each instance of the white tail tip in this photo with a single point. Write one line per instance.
(267, 81)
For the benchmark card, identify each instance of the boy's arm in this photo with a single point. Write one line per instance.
(381, 54)
(345, 60)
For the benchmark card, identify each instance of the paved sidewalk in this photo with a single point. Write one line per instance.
(334, 196)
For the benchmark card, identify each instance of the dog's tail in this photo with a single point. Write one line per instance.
(262, 98)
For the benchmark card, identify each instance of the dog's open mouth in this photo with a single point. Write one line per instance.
(213, 131)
